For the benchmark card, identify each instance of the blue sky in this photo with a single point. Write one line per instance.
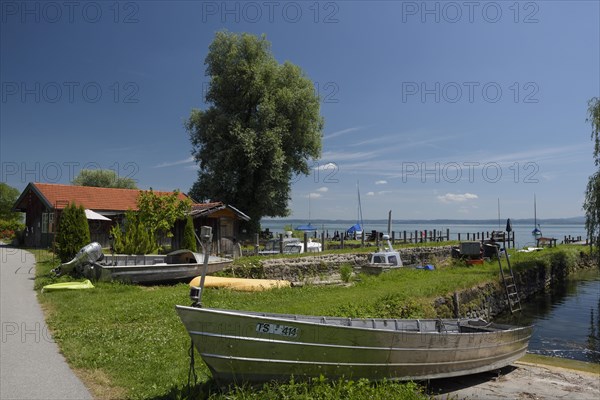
(437, 109)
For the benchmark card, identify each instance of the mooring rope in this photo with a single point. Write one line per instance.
(192, 377)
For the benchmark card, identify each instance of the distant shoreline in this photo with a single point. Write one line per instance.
(530, 221)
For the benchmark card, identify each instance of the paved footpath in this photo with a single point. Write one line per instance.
(31, 366)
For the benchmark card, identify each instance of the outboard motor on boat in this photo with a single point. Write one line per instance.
(88, 254)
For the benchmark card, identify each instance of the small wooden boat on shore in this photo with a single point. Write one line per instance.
(243, 346)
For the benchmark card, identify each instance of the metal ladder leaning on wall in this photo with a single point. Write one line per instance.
(510, 286)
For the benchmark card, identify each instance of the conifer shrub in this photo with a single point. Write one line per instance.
(189, 239)
(73, 232)
(137, 238)
(117, 239)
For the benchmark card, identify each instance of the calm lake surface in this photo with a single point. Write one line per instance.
(523, 235)
(566, 320)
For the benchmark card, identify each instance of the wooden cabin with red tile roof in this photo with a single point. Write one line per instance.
(224, 220)
(43, 203)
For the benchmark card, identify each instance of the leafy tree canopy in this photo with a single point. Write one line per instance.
(591, 203)
(154, 219)
(8, 197)
(159, 212)
(262, 127)
(103, 178)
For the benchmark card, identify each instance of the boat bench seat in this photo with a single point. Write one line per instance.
(421, 326)
(400, 325)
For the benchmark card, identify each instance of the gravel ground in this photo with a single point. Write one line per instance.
(521, 381)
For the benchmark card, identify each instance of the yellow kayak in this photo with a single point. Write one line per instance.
(68, 286)
(241, 284)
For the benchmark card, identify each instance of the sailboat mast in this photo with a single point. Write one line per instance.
(534, 212)
(499, 213)
(309, 196)
(359, 216)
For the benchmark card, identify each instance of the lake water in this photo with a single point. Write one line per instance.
(566, 320)
(522, 232)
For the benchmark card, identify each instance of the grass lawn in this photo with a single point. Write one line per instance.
(126, 341)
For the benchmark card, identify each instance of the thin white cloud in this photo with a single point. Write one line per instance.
(323, 189)
(457, 198)
(381, 182)
(370, 193)
(174, 163)
(540, 153)
(342, 132)
(337, 156)
(314, 195)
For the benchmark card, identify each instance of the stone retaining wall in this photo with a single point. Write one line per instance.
(489, 300)
(299, 268)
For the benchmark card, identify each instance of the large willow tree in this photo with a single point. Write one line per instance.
(591, 204)
(261, 128)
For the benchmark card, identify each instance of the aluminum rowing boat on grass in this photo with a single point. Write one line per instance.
(243, 346)
(179, 265)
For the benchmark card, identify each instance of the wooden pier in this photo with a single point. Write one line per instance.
(339, 239)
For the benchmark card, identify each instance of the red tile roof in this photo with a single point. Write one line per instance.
(93, 198)
(203, 206)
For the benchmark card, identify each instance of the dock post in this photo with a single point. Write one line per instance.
(435, 235)
(362, 238)
(393, 237)
(448, 234)
(281, 243)
(305, 241)
(459, 236)
(256, 244)
(342, 241)
(404, 237)
(416, 236)
(456, 305)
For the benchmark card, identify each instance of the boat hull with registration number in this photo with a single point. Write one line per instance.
(243, 346)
